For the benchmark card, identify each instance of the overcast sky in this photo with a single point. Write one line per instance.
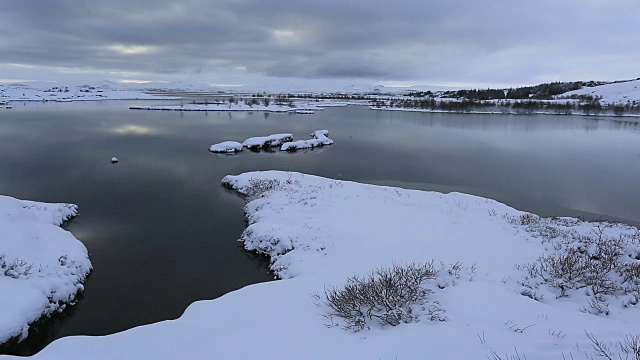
(443, 42)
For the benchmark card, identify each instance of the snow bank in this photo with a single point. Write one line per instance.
(319, 138)
(318, 232)
(42, 267)
(229, 147)
(265, 142)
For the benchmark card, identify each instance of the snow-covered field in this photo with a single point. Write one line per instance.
(617, 93)
(42, 267)
(22, 92)
(320, 232)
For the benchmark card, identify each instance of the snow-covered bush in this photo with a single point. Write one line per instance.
(17, 268)
(386, 294)
(627, 348)
(258, 187)
(599, 259)
(391, 295)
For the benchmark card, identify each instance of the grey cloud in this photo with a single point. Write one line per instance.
(438, 41)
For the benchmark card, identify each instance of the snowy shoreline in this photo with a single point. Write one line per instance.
(42, 266)
(295, 106)
(318, 232)
(476, 112)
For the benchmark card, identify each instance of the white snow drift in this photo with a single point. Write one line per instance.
(318, 232)
(42, 267)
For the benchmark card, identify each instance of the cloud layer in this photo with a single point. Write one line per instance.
(440, 42)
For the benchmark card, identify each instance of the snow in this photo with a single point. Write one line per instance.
(114, 160)
(284, 141)
(264, 142)
(42, 267)
(506, 110)
(59, 93)
(318, 138)
(318, 232)
(616, 93)
(229, 147)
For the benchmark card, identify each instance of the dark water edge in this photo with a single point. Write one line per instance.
(162, 232)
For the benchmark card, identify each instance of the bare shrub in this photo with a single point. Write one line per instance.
(601, 264)
(258, 187)
(626, 349)
(385, 294)
(630, 346)
(516, 356)
(527, 219)
(17, 269)
(597, 305)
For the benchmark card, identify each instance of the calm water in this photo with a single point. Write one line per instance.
(162, 232)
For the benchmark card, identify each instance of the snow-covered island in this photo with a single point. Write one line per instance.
(284, 141)
(226, 147)
(494, 282)
(295, 105)
(42, 267)
(217, 107)
(319, 138)
(266, 142)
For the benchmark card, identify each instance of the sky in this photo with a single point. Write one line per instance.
(492, 43)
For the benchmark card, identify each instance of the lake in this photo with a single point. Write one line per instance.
(162, 233)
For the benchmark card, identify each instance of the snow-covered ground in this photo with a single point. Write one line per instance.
(22, 92)
(42, 267)
(320, 232)
(617, 93)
